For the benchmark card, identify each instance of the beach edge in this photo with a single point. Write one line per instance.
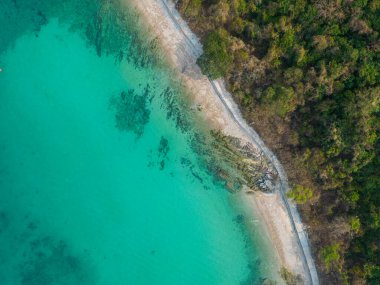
(279, 216)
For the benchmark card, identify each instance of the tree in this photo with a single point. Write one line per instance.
(216, 60)
(311, 68)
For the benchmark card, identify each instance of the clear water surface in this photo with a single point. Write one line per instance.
(100, 182)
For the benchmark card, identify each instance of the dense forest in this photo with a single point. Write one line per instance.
(307, 77)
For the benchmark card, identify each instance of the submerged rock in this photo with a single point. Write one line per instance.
(52, 262)
(132, 113)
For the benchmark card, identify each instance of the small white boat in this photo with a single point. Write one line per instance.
(1, 69)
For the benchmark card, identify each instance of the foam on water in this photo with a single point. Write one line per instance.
(100, 182)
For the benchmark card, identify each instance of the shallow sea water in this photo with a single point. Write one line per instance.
(100, 177)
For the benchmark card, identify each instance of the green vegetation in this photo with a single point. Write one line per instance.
(308, 73)
(216, 60)
(330, 256)
(300, 194)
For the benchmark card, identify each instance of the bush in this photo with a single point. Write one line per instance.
(193, 8)
(330, 256)
(300, 194)
(290, 278)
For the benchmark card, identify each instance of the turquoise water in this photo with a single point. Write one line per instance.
(100, 178)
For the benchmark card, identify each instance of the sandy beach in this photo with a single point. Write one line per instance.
(278, 216)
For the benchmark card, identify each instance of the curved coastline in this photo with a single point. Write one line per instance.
(188, 49)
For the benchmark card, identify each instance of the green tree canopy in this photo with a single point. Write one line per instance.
(216, 60)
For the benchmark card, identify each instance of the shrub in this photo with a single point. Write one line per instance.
(330, 256)
(300, 194)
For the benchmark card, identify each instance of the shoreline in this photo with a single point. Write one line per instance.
(279, 216)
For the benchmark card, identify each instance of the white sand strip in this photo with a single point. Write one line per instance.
(280, 216)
